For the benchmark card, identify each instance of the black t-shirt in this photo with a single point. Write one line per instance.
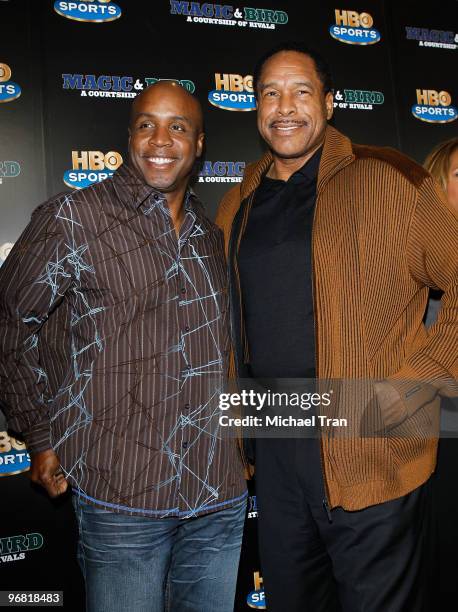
(274, 262)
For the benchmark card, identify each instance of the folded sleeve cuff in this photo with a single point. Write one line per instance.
(37, 439)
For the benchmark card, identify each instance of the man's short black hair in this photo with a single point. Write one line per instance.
(322, 67)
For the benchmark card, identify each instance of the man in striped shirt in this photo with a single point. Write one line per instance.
(114, 333)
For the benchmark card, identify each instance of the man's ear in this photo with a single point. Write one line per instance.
(200, 144)
(329, 102)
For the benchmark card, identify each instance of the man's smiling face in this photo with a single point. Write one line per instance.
(165, 136)
(293, 109)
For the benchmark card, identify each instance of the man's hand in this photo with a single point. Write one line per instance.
(418, 399)
(46, 471)
(390, 402)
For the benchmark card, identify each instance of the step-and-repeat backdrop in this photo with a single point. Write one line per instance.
(68, 74)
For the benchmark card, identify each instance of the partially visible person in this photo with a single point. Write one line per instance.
(442, 163)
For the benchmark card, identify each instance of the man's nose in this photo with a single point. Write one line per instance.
(160, 137)
(286, 104)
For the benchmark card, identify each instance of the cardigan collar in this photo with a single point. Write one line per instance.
(337, 153)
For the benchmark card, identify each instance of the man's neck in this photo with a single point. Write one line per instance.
(282, 168)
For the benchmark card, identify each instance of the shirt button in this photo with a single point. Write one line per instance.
(187, 406)
(183, 289)
(185, 444)
(156, 197)
(186, 329)
(188, 367)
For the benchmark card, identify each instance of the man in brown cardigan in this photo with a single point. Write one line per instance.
(332, 247)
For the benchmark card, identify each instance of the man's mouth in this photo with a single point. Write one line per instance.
(287, 127)
(160, 161)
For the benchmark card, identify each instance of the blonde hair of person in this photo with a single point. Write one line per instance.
(437, 162)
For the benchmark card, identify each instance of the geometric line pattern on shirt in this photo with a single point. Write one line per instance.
(64, 272)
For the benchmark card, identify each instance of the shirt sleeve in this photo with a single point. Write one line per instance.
(33, 281)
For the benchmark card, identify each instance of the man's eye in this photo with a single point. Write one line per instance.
(177, 127)
(303, 92)
(145, 124)
(270, 94)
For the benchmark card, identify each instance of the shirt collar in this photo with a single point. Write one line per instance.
(310, 169)
(306, 174)
(135, 193)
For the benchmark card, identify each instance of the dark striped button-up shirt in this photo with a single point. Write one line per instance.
(114, 337)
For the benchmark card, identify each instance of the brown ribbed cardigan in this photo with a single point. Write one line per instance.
(382, 234)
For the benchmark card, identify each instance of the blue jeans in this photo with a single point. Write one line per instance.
(156, 565)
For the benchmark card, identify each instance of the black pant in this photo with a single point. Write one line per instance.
(364, 561)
